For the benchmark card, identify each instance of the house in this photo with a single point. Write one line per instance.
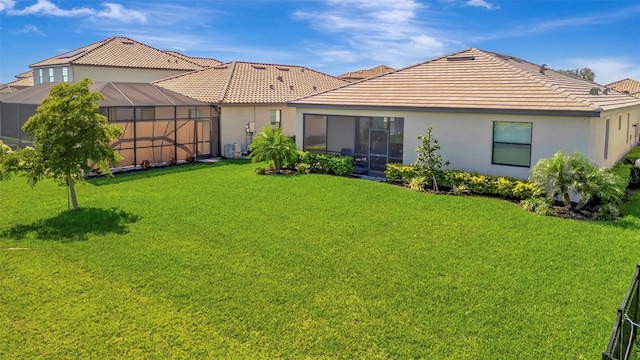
(23, 81)
(117, 59)
(250, 96)
(491, 113)
(358, 75)
(159, 124)
(627, 86)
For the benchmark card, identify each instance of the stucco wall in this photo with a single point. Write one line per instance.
(233, 120)
(105, 73)
(466, 140)
(620, 124)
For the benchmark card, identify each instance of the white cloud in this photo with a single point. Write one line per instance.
(28, 29)
(118, 12)
(372, 32)
(47, 8)
(482, 3)
(6, 4)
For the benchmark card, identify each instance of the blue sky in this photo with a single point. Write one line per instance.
(334, 36)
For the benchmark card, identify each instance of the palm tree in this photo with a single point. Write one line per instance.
(271, 145)
(556, 175)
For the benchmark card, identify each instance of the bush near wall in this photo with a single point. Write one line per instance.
(490, 185)
(476, 183)
(326, 163)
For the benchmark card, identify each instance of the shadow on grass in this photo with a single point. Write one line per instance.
(75, 225)
(160, 171)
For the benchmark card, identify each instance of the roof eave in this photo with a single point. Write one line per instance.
(538, 112)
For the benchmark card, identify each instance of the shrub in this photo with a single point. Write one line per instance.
(272, 145)
(607, 212)
(418, 183)
(326, 163)
(400, 172)
(429, 161)
(634, 178)
(261, 170)
(538, 205)
(303, 168)
(461, 189)
(489, 185)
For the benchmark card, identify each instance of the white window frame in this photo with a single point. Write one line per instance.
(52, 77)
(520, 144)
(276, 119)
(65, 74)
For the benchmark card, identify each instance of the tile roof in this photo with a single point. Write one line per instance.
(26, 74)
(627, 86)
(250, 83)
(473, 80)
(20, 83)
(365, 74)
(120, 52)
(206, 62)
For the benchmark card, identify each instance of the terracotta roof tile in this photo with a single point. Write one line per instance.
(250, 83)
(206, 62)
(19, 84)
(365, 74)
(627, 86)
(475, 79)
(120, 52)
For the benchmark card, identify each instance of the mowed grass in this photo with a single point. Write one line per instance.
(213, 261)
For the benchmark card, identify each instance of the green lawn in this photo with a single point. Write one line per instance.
(211, 260)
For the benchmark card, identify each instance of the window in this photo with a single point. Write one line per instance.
(619, 122)
(51, 78)
(315, 133)
(606, 140)
(628, 118)
(195, 114)
(40, 76)
(276, 118)
(512, 143)
(65, 74)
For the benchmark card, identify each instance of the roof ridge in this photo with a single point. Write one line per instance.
(227, 85)
(76, 49)
(104, 42)
(536, 78)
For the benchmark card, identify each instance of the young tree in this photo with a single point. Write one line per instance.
(69, 132)
(429, 161)
(583, 73)
(271, 145)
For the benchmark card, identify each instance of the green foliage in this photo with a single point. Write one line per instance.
(561, 174)
(237, 271)
(261, 170)
(607, 212)
(418, 183)
(429, 161)
(538, 205)
(461, 189)
(489, 185)
(303, 168)
(272, 145)
(634, 177)
(400, 172)
(326, 163)
(581, 73)
(69, 133)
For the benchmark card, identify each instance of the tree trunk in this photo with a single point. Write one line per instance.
(566, 200)
(72, 192)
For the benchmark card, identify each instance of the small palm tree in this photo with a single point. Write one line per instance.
(556, 175)
(271, 145)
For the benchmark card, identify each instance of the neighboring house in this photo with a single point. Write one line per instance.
(365, 74)
(205, 62)
(250, 96)
(159, 124)
(627, 86)
(113, 59)
(491, 113)
(23, 81)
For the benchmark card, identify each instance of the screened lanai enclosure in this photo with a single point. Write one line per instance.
(371, 141)
(160, 126)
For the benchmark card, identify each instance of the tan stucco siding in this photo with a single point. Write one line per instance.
(115, 74)
(234, 119)
(621, 123)
(466, 140)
